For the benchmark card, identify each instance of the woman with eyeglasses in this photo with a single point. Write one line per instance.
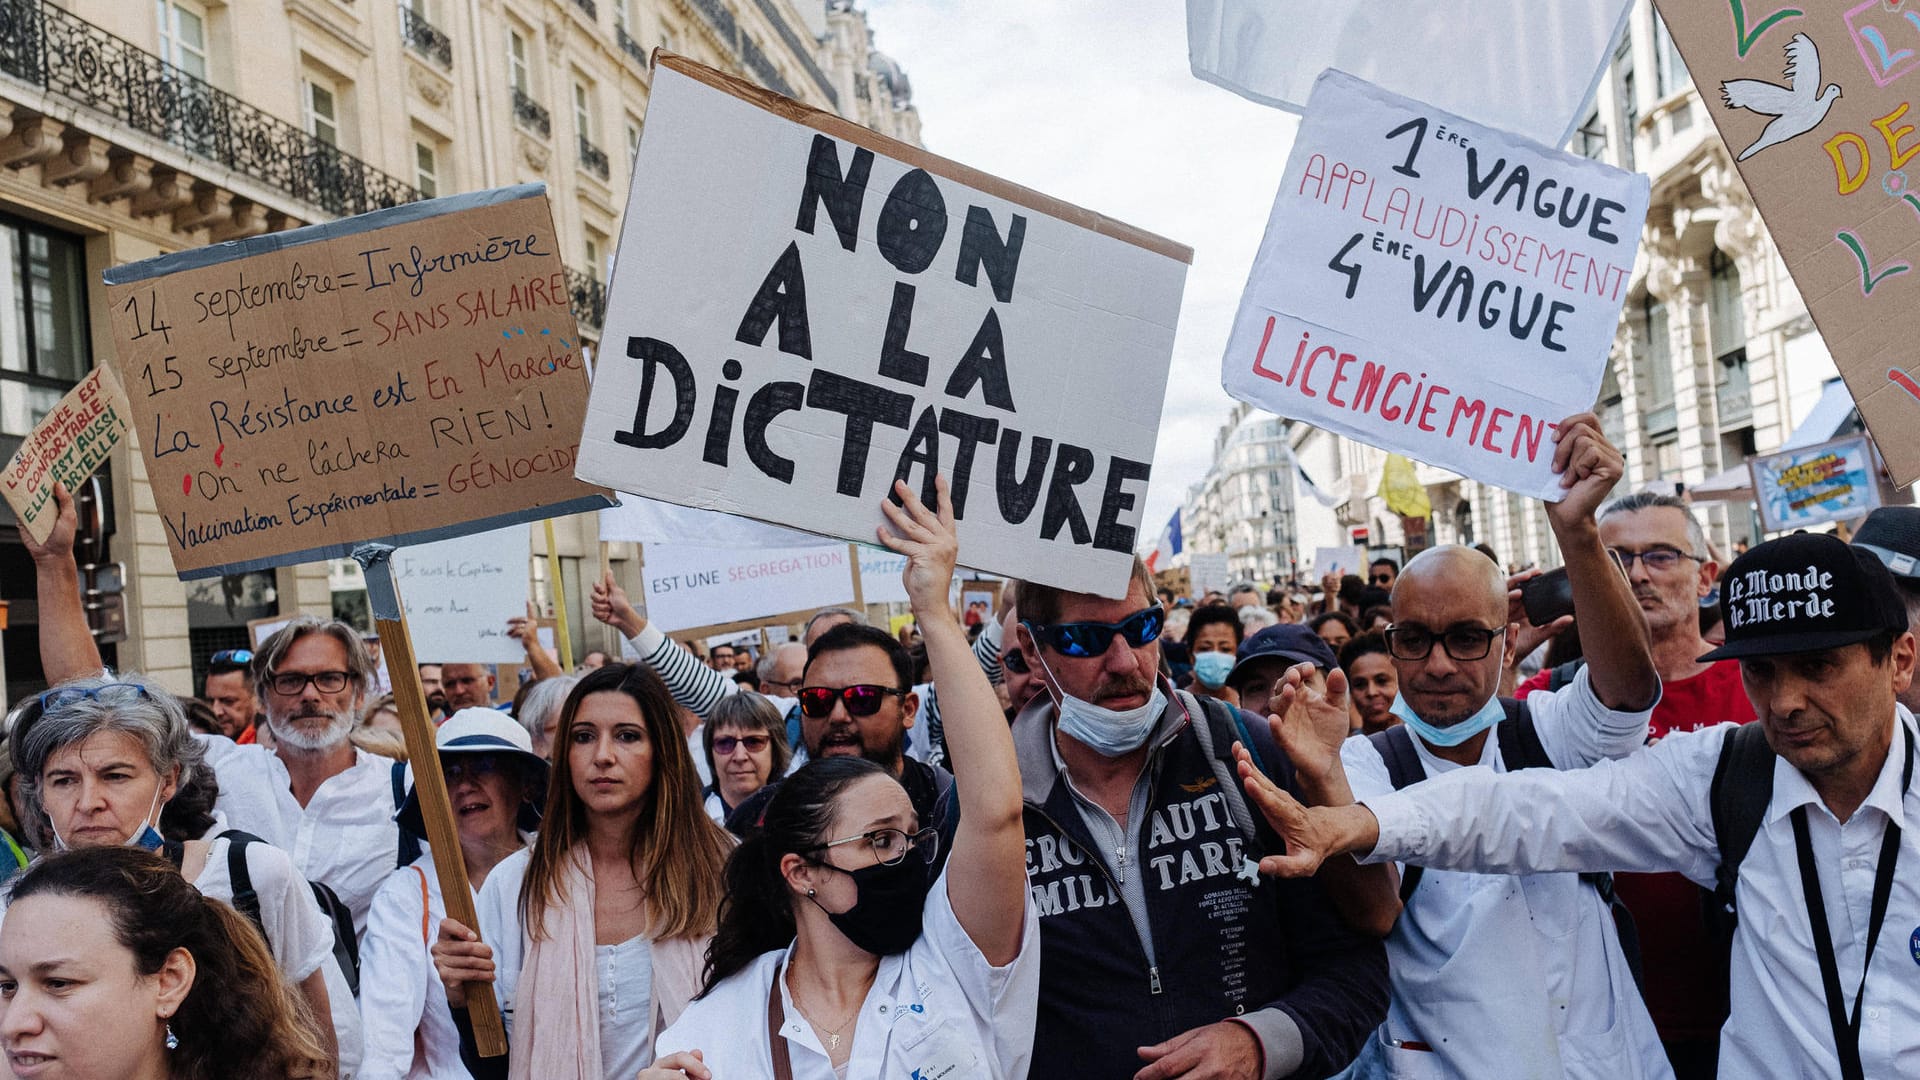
(593, 937)
(840, 953)
(745, 740)
(110, 761)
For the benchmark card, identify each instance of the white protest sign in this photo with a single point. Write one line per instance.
(1339, 560)
(804, 310)
(1433, 287)
(693, 586)
(1207, 572)
(459, 594)
(880, 576)
(650, 521)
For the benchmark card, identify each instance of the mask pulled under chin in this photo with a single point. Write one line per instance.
(1453, 735)
(1107, 732)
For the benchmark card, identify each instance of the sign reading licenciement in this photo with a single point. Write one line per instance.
(1434, 287)
(803, 311)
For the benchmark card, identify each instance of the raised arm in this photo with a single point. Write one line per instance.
(692, 683)
(67, 649)
(526, 630)
(989, 847)
(1613, 633)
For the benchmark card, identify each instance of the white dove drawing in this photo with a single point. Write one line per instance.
(1795, 108)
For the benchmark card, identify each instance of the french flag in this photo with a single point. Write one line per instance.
(1169, 545)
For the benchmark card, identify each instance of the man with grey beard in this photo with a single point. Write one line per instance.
(336, 802)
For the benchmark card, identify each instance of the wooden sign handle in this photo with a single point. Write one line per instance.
(429, 783)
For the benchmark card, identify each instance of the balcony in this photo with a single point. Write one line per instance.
(763, 68)
(593, 159)
(531, 114)
(593, 13)
(589, 298)
(631, 47)
(75, 60)
(727, 29)
(425, 38)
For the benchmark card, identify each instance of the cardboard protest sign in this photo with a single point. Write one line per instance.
(459, 594)
(1340, 560)
(1434, 287)
(397, 376)
(803, 311)
(1814, 485)
(1818, 109)
(691, 586)
(66, 446)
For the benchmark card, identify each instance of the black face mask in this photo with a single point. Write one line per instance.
(885, 918)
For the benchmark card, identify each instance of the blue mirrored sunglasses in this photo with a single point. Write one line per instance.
(115, 693)
(1092, 638)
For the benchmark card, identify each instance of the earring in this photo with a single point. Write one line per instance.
(809, 894)
(173, 1041)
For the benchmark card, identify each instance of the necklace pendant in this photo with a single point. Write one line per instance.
(833, 1042)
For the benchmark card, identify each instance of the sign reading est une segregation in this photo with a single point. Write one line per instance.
(1434, 287)
(696, 585)
(67, 445)
(803, 310)
(1819, 106)
(1814, 485)
(398, 377)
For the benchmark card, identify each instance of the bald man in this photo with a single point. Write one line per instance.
(1495, 975)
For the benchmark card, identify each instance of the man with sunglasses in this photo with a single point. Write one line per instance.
(229, 689)
(1382, 574)
(1492, 975)
(1164, 953)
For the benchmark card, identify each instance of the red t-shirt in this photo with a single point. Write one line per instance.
(1686, 982)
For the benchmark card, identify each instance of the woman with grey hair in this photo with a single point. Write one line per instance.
(540, 710)
(103, 764)
(745, 742)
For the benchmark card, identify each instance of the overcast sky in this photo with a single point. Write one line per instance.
(1092, 101)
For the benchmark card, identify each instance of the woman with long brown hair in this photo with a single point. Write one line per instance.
(113, 967)
(595, 937)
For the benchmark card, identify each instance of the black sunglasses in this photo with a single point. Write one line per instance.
(861, 700)
(1092, 638)
(1014, 661)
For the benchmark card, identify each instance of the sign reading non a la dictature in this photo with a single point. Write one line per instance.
(67, 445)
(1819, 106)
(399, 377)
(1814, 485)
(1434, 287)
(803, 310)
(691, 586)
(460, 593)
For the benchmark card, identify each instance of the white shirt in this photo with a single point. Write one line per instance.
(1518, 975)
(345, 836)
(403, 1005)
(1652, 811)
(937, 1010)
(246, 796)
(624, 972)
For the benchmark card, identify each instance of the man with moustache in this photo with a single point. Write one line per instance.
(335, 801)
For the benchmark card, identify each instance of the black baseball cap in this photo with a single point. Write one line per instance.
(1804, 593)
(1292, 642)
(1892, 533)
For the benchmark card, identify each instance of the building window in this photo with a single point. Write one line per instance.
(1727, 318)
(43, 325)
(426, 169)
(583, 111)
(594, 244)
(517, 70)
(183, 35)
(633, 139)
(623, 16)
(323, 114)
(1670, 74)
(1591, 140)
(1659, 353)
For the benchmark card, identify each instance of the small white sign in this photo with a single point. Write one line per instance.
(1207, 572)
(460, 593)
(1340, 560)
(690, 586)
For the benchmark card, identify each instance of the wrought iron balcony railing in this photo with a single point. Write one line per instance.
(589, 298)
(592, 158)
(588, 6)
(531, 113)
(762, 67)
(630, 47)
(728, 28)
(426, 39)
(800, 49)
(82, 63)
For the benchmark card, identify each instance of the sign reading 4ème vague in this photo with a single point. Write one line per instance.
(67, 445)
(803, 310)
(1814, 485)
(396, 377)
(1817, 105)
(1434, 287)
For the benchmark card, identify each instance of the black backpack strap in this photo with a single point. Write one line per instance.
(1395, 747)
(1562, 675)
(1742, 788)
(409, 848)
(245, 900)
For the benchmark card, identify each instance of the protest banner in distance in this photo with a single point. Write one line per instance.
(803, 310)
(66, 446)
(1340, 560)
(459, 594)
(395, 377)
(1207, 572)
(1814, 485)
(650, 521)
(1434, 287)
(718, 589)
(1817, 109)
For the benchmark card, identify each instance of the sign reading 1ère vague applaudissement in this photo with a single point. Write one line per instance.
(803, 310)
(398, 376)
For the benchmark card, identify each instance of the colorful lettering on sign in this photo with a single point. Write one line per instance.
(1868, 277)
(1743, 38)
(1889, 45)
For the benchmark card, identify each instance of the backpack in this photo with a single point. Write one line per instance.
(1742, 788)
(346, 946)
(1520, 748)
(1218, 726)
(409, 841)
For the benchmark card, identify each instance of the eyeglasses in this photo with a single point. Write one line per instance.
(114, 693)
(1658, 560)
(1461, 642)
(1015, 661)
(890, 846)
(289, 683)
(231, 656)
(1092, 638)
(725, 745)
(784, 684)
(470, 766)
(861, 700)
(1382, 579)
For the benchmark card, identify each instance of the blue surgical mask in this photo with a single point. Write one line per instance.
(1108, 732)
(146, 838)
(1490, 714)
(1212, 668)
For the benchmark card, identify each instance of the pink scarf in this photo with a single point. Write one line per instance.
(557, 1002)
